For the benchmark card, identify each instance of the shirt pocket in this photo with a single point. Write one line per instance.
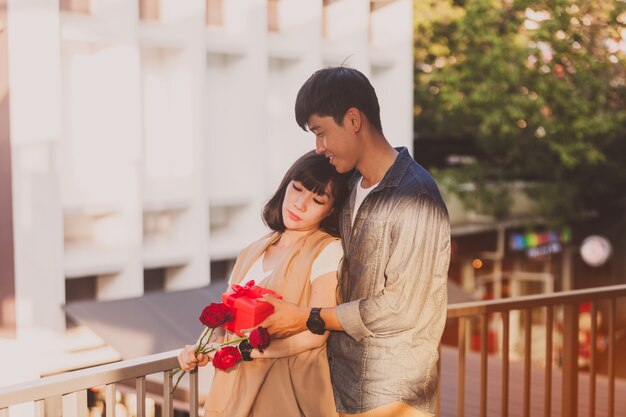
(366, 252)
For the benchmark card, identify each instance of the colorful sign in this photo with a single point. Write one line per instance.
(539, 251)
(524, 241)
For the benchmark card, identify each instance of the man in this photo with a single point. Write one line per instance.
(396, 239)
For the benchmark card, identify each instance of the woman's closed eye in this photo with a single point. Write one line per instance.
(321, 201)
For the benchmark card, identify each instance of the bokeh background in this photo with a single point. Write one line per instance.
(139, 140)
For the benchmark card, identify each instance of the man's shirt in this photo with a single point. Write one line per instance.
(393, 292)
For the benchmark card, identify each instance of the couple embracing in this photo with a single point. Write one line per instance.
(359, 251)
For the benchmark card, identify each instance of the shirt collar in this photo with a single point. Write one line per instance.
(394, 175)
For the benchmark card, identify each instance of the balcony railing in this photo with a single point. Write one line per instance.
(565, 303)
(51, 395)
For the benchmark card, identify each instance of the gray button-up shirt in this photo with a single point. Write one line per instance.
(393, 292)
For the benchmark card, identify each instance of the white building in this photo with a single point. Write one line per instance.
(145, 137)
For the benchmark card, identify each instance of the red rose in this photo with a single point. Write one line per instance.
(226, 357)
(259, 338)
(215, 315)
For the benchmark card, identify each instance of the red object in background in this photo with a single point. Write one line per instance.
(584, 307)
(492, 336)
(249, 312)
(492, 342)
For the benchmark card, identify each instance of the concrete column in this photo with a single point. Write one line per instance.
(7, 263)
(33, 47)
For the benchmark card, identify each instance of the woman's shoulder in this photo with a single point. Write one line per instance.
(328, 243)
(328, 259)
(249, 251)
(334, 246)
(264, 240)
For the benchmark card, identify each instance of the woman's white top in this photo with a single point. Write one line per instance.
(327, 261)
(361, 193)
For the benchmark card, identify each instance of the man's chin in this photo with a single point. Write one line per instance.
(339, 168)
(342, 169)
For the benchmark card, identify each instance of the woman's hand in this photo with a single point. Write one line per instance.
(188, 360)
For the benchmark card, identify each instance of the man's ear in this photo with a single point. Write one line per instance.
(353, 119)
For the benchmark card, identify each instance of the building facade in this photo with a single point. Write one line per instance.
(143, 137)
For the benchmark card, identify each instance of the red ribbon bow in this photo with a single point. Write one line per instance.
(241, 290)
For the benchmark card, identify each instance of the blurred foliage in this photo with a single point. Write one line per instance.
(539, 87)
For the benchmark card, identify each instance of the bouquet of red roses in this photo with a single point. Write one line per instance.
(227, 355)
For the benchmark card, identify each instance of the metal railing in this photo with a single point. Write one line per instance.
(569, 303)
(48, 394)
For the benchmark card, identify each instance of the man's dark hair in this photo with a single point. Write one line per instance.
(332, 91)
(314, 172)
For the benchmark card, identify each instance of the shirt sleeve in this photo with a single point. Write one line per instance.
(328, 260)
(416, 273)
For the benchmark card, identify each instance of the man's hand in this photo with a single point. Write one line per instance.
(288, 319)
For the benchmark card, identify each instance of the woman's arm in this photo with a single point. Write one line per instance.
(322, 295)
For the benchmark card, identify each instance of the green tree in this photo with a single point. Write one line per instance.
(539, 87)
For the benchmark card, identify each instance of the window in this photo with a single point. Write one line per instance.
(76, 6)
(153, 280)
(149, 9)
(377, 4)
(79, 289)
(214, 13)
(272, 16)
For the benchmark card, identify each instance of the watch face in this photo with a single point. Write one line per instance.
(315, 323)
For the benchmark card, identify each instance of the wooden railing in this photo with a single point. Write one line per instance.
(49, 393)
(569, 302)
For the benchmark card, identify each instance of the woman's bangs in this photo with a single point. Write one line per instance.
(312, 183)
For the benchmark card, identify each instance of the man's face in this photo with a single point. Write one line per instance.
(337, 143)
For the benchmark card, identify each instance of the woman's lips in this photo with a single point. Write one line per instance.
(293, 216)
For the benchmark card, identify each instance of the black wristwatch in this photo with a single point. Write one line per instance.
(315, 323)
(246, 349)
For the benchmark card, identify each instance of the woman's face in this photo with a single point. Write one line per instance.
(303, 209)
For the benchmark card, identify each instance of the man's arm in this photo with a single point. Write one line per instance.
(289, 319)
(416, 275)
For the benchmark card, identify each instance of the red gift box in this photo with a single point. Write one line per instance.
(249, 312)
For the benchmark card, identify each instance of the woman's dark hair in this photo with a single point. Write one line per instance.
(332, 91)
(314, 172)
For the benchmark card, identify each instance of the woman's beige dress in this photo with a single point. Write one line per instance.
(286, 387)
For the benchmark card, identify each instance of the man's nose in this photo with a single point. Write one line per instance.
(319, 146)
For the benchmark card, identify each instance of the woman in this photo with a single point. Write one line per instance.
(298, 260)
